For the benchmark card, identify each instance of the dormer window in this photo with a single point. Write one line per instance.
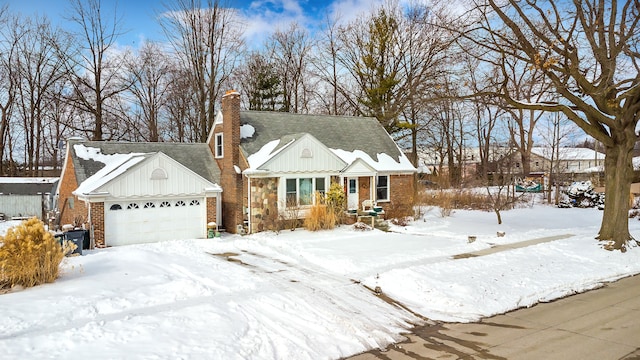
(218, 146)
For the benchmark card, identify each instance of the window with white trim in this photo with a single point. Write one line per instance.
(218, 145)
(382, 188)
(300, 191)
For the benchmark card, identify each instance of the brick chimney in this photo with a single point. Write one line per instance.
(231, 181)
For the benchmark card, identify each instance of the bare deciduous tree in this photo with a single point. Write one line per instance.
(97, 69)
(40, 69)
(588, 50)
(8, 86)
(150, 74)
(291, 49)
(209, 44)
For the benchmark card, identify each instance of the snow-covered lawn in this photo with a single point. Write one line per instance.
(303, 295)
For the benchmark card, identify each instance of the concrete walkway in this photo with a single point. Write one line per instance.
(521, 244)
(599, 324)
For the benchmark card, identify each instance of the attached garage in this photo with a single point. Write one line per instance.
(152, 220)
(143, 197)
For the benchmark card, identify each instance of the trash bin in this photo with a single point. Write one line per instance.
(212, 230)
(59, 238)
(79, 238)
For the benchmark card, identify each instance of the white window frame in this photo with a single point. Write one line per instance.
(218, 145)
(314, 186)
(388, 197)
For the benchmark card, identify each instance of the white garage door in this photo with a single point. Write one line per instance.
(154, 220)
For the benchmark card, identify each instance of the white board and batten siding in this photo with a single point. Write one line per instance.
(305, 155)
(157, 200)
(138, 181)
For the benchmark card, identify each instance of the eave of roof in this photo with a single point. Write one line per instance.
(347, 136)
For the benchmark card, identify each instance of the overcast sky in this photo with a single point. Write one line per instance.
(261, 16)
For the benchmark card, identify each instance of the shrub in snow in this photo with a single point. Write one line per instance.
(30, 255)
(361, 226)
(581, 195)
(321, 216)
(402, 221)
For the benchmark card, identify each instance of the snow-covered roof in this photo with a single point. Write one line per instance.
(28, 180)
(347, 137)
(27, 185)
(569, 153)
(114, 165)
(90, 157)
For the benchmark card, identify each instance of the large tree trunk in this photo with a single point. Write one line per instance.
(618, 168)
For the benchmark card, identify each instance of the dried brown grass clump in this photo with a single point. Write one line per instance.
(321, 216)
(30, 255)
(456, 199)
(396, 210)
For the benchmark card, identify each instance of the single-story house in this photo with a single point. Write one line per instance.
(139, 192)
(271, 162)
(255, 167)
(22, 197)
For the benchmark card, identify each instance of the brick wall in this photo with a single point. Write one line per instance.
(232, 183)
(68, 183)
(402, 194)
(97, 223)
(364, 190)
(212, 202)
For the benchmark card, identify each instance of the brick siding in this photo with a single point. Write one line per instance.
(212, 202)
(97, 223)
(233, 200)
(68, 183)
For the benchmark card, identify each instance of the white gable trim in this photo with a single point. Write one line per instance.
(359, 167)
(304, 155)
(137, 180)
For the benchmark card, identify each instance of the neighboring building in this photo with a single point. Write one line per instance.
(139, 192)
(22, 197)
(568, 160)
(272, 162)
(434, 162)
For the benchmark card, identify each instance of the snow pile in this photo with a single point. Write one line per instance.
(246, 131)
(581, 194)
(304, 295)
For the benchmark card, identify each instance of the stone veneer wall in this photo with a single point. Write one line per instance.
(264, 204)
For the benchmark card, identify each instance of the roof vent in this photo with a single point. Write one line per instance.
(158, 174)
(306, 153)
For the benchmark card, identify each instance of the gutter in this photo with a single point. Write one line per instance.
(248, 204)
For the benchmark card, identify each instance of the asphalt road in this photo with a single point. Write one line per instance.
(599, 324)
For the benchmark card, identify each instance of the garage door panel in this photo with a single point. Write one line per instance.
(151, 224)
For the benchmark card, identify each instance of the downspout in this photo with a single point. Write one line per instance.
(372, 186)
(248, 204)
(91, 234)
(219, 209)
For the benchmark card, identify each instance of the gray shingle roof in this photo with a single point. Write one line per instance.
(196, 157)
(28, 188)
(347, 133)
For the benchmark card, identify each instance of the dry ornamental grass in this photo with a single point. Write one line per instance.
(30, 255)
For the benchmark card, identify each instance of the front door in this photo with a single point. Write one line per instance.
(352, 193)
